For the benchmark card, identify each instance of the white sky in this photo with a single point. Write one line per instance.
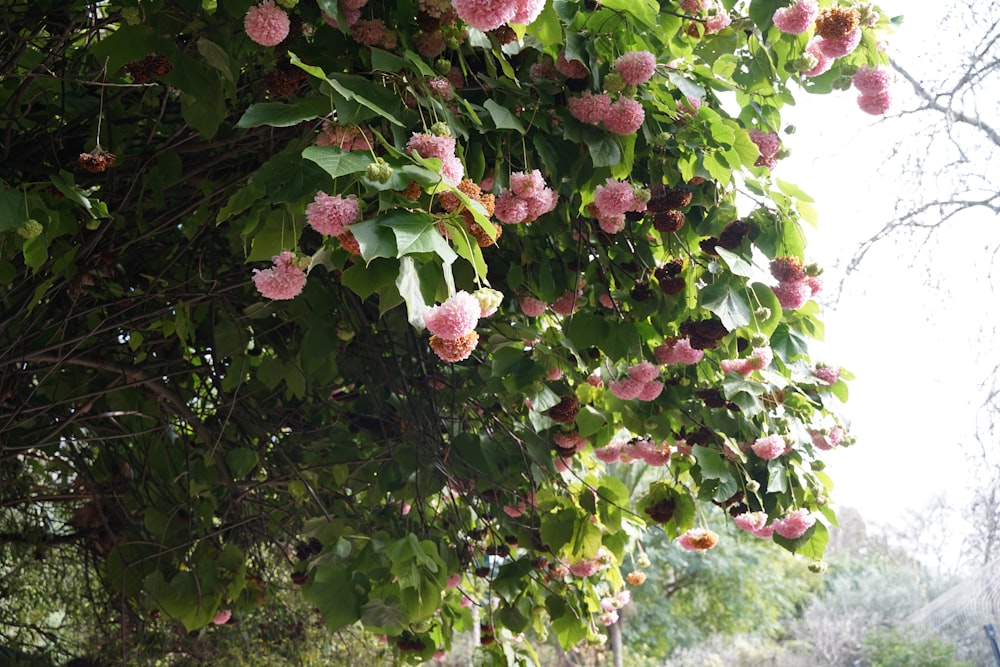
(915, 349)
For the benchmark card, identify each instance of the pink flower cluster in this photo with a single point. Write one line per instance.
(873, 84)
(635, 67)
(770, 447)
(677, 351)
(796, 18)
(332, 215)
(489, 15)
(759, 359)
(698, 539)
(351, 9)
(569, 442)
(351, 138)
(373, 33)
(826, 374)
(623, 116)
(754, 523)
(827, 439)
(284, 280)
(823, 62)
(571, 69)
(443, 148)
(569, 302)
(840, 46)
(641, 383)
(795, 286)
(769, 144)
(531, 306)
(528, 198)
(636, 449)
(795, 524)
(612, 201)
(266, 23)
(455, 318)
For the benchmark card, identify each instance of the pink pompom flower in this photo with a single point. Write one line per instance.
(330, 215)
(531, 306)
(527, 11)
(222, 616)
(754, 523)
(797, 17)
(590, 108)
(872, 80)
(609, 454)
(266, 23)
(794, 525)
(792, 295)
(455, 318)
(626, 389)
(823, 61)
(571, 69)
(625, 117)
(698, 539)
(770, 447)
(485, 15)
(635, 67)
(585, 567)
(677, 351)
(284, 280)
(841, 46)
(643, 371)
(875, 104)
(826, 374)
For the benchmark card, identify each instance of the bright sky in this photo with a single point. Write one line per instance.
(915, 349)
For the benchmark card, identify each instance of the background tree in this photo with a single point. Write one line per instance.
(204, 432)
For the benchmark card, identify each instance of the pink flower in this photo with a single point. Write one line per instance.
(454, 318)
(636, 67)
(815, 285)
(717, 22)
(539, 203)
(637, 449)
(431, 145)
(266, 23)
(514, 511)
(626, 389)
(510, 208)
(678, 352)
(794, 525)
(698, 539)
(826, 439)
(554, 374)
(657, 455)
(796, 19)
(430, 44)
(222, 616)
(585, 567)
(643, 371)
(650, 391)
(330, 215)
(571, 440)
(827, 374)
(754, 523)
(792, 295)
(840, 47)
(485, 15)
(614, 197)
(767, 142)
(453, 580)
(590, 108)
(525, 182)
(770, 447)
(531, 306)
(625, 117)
(870, 81)
(544, 69)
(823, 61)
(571, 69)
(609, 454)
(612, 224)
(609, 617)
(441, 87)
(875, 104)
(568, 303)
(452, 170)
(693, 6)
(527, 11)
(284, 280)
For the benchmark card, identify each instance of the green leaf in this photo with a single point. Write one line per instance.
(604, 149)
(241, 461)
(36, 251)
(503, 118)
(333, 594)
(589, 421)
(777, 477)
(336, 162)
(365, 280)
(384, 61)
(710, 462)
(408, 284)
(645, 11)
(729, 304)
(281, 114)
(218, 58)
(557, 528)
(375, 239)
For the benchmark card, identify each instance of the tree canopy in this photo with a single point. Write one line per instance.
(374, 293)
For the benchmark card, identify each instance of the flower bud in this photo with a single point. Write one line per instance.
(489, 300)
(442, 66)
(805, 63)
(759, 340)
(762, 313)
(614, 83)
(753, 486)
(30, 229)
(441, 129)
(379, 171)
(817, 566)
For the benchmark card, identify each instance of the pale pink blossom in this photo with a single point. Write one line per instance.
(693, 6)
(717, 22)
(872, 80)
(625, 117)
(571, 69)
(768, 143)
(823, 61)
(284, 280)
(797, 17)
(531, 306)
(455, 318)
(754, 523)
(626, 389)
(266, 23)
(792, 295)
(678, 352)
(222, 616)
(657, 455)
(568, 303)
(875, 104)
(769, 447)
(589, 108)
(827, 374)
(330, 215)
(554, 374)
(431, 145)
(585, 567)
(485, 15)
(571, 440)
(635, 67)
(841, 46)
(794, 525)
(609, 454)
(527, 11)
(650, 391)
(643, 371)
(615, 197)
(609, 617)
(510, 209)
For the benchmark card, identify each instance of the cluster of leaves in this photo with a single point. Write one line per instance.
(185, 426)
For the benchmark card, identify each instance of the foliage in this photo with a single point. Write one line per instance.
(740, 588)
(184, 429)
(888, 647)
